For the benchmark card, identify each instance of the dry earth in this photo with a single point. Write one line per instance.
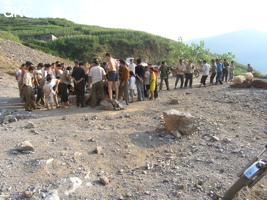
(130, 142)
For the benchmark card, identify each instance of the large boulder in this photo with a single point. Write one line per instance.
(245, 84)
(249, 76)
(105, 105)
(182, 122)
(259, 84)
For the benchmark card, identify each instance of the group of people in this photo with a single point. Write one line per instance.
(108, 80)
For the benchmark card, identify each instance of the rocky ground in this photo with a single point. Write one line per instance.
(88, 153)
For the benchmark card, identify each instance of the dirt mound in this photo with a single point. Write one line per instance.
(13, 54)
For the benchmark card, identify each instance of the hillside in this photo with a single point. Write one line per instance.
(83, 42)
(13, 54)
(249, 46)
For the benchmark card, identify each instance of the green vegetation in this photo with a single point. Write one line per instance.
(83, 42)
(5, 35)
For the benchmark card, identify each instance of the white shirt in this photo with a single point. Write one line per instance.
(147, 76)
(206, 69)
(132, 67)
(48, 89)
(18, 74)
(132, 82)
(27, 79)
(97, 74)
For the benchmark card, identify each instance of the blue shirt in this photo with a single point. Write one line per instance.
(219, 67)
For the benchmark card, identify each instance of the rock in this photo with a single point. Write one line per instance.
(176, 134)
(105, 105)
(149, 165)
(73, 183)
(249, 76)
(127, 115)
(31, 125)
(180, 187)
(245, 84)
(175, 120)
(214, 138)
(64, 118)
(98, 150)
(35, 132)
(174, 101)
(104, 180)
(259, 84)
(52, 195)
(25, 146)
(28, 194)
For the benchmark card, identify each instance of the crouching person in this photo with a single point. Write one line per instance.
(96, 76)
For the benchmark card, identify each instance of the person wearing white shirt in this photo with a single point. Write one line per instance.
(27, 87)
(19, 79)
(132, 66)
(96, 76)
(206, 69)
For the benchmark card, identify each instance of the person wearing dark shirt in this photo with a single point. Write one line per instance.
(78, 76)
(139, 74)
(225, 67)
(164, 75)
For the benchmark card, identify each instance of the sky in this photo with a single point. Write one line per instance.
(189, 19)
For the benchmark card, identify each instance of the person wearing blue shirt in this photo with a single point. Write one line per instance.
(219, 72)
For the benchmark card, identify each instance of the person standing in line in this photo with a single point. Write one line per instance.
(225, 67)
(152, 85)
(28, 91)
(25, 69)
(156, 72)
(164, 75)
(205, 73)
(250, 69)
(39, 81)
(180, 73)
(124, 87)
(219, 72)
(78, 76)
(132, 81)
(139, 75)
(112, 76)
(20, 80)
(96, 76)
(63, 87)
(231, 71)
(213, 71)
(147, 83)
(189, 74)
(132, 66)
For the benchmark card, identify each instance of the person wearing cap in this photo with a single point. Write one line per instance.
(189, 68)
